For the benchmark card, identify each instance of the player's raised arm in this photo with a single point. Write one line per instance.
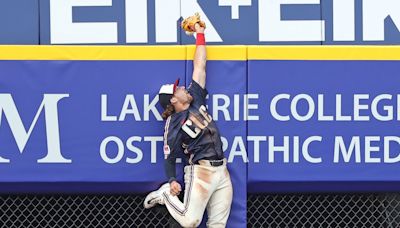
(200, 57)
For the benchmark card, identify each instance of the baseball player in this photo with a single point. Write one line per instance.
(191, 132)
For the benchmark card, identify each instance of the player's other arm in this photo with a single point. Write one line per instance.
(170, 170)
(169, 167)
(200, 57)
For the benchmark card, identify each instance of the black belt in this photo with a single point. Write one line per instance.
(214, 163)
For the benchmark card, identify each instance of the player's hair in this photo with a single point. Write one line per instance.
(168, 111)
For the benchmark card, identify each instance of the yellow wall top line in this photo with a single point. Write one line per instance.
(228, 52)
(323, 52)
(45, 52)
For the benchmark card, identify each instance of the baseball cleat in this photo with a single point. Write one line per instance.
(155, 197)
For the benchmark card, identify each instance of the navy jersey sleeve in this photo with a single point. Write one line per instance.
(170, 169)
(198, 93)
(172, 147)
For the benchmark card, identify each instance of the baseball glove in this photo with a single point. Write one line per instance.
(188, 23)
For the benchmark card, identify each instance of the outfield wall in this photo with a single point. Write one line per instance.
(85, 119)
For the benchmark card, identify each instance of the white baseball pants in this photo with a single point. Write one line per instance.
(208, 187)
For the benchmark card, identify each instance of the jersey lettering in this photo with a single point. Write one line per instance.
(186, 128)
(197, 124)
(204, 113)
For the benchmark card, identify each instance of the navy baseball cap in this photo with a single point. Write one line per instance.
(166, 92)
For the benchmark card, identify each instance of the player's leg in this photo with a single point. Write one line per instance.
(219, 205)
(199, 185)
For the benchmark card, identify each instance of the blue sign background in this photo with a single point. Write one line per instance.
(81, 129)
(270, 78)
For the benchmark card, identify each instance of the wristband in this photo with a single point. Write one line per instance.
(200, 39)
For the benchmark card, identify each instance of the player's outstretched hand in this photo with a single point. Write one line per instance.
(198, 28)
(175, 188)
(190, 23)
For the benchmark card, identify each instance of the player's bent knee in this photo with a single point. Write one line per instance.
(193, 222)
